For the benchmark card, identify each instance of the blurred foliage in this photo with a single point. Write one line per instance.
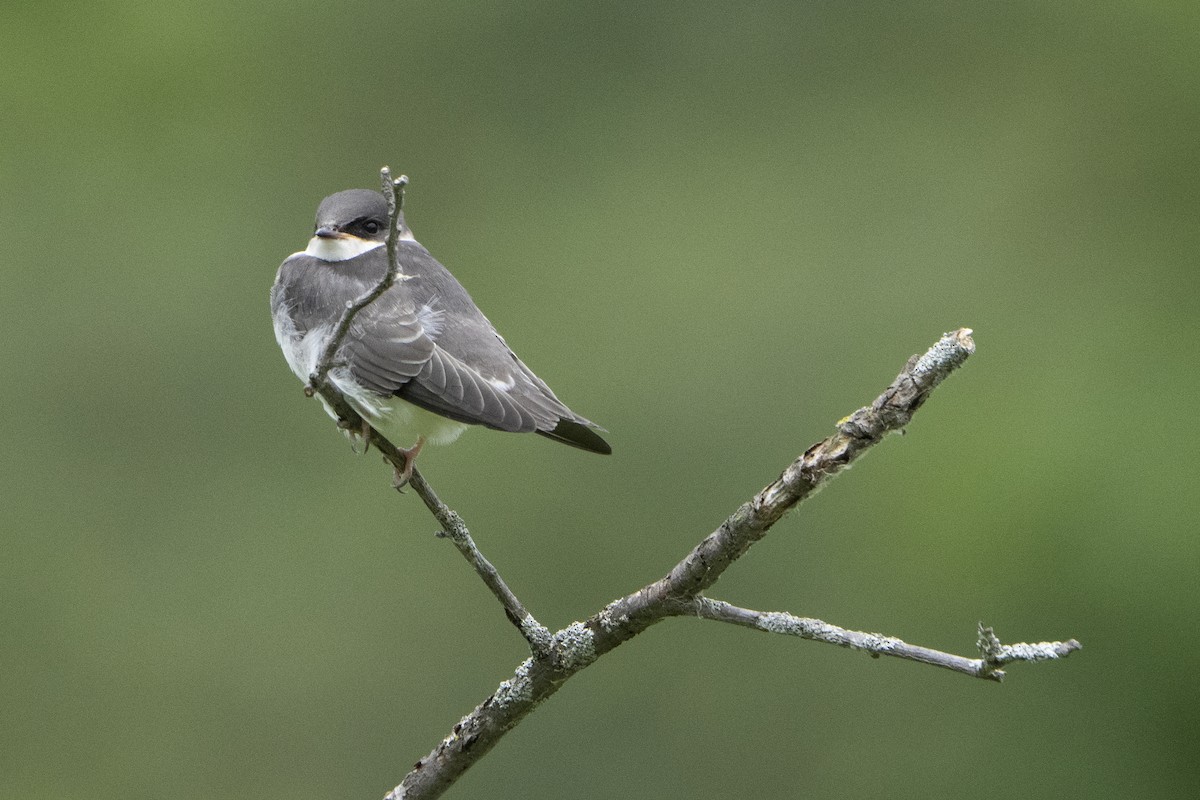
(714, 229)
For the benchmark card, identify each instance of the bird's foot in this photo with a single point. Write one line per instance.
(361, 431)
(365, 433)
(402, 476)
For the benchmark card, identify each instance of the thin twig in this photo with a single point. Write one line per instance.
(393, 190)
(876, 644)
(995, 654)
(453, 527)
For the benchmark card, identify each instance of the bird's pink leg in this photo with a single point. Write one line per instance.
(402, 476)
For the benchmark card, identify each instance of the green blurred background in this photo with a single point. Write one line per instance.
(715, 230)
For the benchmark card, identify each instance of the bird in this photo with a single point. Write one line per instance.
(421, 360)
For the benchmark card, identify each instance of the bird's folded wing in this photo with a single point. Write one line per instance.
(390, 351)
(448, 386)
(386, 348)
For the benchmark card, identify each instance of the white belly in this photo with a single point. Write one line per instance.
(399, 420)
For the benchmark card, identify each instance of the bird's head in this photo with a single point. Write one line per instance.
(349, 224)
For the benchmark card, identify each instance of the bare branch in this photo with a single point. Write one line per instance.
(579, 644)
(454, 529)
(996, 654)
(863, 429)
(556, 657)
(876, 644)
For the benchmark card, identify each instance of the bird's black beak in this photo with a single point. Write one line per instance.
(326, 232)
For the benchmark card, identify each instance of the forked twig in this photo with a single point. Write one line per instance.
(557, 657)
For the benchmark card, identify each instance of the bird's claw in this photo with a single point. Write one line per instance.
(365, 432)
(401, 477)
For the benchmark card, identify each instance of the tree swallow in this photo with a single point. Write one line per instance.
(421, 362)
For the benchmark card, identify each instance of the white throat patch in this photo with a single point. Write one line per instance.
(339, 249)
(348, 248)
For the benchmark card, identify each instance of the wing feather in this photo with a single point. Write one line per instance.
(388, 348)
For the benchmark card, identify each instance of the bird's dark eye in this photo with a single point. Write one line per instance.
(371, 227)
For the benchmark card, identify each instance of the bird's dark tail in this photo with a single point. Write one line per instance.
(577, 434)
